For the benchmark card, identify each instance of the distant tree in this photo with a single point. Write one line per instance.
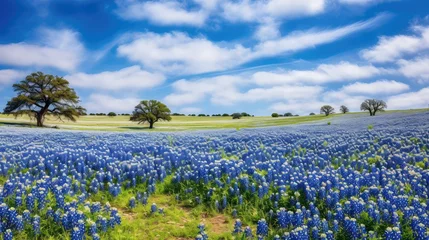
(312, 114)
(92, 114)
(201, 115)
(296, 115)
(111, 114)
(225, 115)
(373, 106)
(327, 109)
(275, 115)
(176, 114)
(245, 114)
(288, 114)
(344, 109)
(236, 115)
(42, 94)
(150, 111)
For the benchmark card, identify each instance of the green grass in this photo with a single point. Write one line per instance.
(178, 123)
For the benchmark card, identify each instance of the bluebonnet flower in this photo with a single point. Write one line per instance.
(8, 235)
(262, 228)
(153, 208)
(248, 232)
(132, 202)
(237, 226)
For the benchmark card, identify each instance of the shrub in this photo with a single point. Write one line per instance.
(275, 115)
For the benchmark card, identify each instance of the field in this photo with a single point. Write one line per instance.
(178, 123)
(358, 177)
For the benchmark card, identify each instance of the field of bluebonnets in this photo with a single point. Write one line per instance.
(356, 178)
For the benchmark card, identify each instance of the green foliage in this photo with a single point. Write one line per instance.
(236, 115)
(370, 127)
(42, 94)
(111, 114)
(329, 123)
(327, 110)
(151, 111)
(274, 115)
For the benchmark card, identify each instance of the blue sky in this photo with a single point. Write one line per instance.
(216, 56)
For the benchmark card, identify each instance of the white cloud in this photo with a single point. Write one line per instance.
(190, 110)
(309, 39)
(378, 87)
(177, 52)
(127, 78)
(389, 49)
(187, 92)
(165, 12)
(267, 30)
(324, 73)
(105, 103)
(8, 76)
(59, 49)
(225, 90)
(417, 68)
(253, 11)
(419, 99)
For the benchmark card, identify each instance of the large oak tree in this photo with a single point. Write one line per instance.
(373, 106)
(150, 111)
(41, 94)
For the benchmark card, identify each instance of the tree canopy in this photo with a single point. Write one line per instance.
(151, 111)
(111, 114)
(327, 109)
(373, 106)
(236, 115)
(344, 109)
(40, 94)
(274, 115)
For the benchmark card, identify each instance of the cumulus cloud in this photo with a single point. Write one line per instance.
(127, 78)
(418, 99)
(177, 52)
(417, 68)
(324, 73)
(390, 49)
(377, 87)
(251, 11)
(164, 12)
(105, 103)
(57, 48)
(8, 76)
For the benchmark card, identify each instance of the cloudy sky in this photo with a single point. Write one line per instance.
(216, 56)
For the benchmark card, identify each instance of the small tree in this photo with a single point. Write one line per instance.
(288, 114)
(111, 114)
(344, 109)
(373, 106)
(312, 114)
(151, 111)
(225, 115)
(236, 115)
(274, 115)
(40, 94)
(327, 109)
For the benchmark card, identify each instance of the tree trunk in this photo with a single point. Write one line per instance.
(39, 120)
(150, 125)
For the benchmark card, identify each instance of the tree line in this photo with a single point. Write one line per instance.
(39, 95)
